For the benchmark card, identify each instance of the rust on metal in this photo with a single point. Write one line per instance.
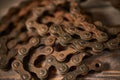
(44, 37)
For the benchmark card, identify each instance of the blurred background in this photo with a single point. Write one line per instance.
(100, 9)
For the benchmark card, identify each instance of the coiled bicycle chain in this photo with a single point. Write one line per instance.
(56, 29)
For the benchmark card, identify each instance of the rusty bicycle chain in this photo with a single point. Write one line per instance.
(49, 28)
(13, 21)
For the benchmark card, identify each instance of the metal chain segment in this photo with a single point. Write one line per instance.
(53, 24)
(39, 71)
(24, 49)
(16, 13)
(17, 65)
(83, 69)
(51, 61)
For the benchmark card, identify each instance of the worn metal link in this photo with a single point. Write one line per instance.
(52, 33)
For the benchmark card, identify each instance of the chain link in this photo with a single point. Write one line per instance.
(56, 29)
